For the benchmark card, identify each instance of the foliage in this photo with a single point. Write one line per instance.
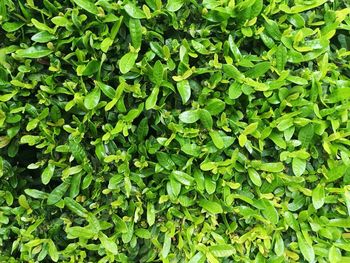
(174, 131)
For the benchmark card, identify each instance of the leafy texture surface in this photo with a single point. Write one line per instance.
(175, 131)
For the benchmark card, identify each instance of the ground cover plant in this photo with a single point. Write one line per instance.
(174, 131)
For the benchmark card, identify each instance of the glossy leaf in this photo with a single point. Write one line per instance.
(298, 166)
(318, 196)
(184, 90)
(190, 116)
(92, 99)
(135, 32)
(174, 6)
(305, 248)
(217, 140)
(87, 5)
(222, 251)
(211, 206)
(34, 52)
(127, 62)
(57, 193)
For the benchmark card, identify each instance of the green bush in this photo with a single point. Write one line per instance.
(174, 131)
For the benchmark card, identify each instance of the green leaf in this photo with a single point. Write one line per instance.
(272, 167)
(279, 245)
(336, 172)
(53, 253)
(41, 26)
(165, 160)
(57, 193)
(285, 124)
(37, 194)
(281, 57)
(211, 206)
(339, 222)
(23, 202)
(106, 89)
(278, 140)
(47, 173)
(135, 32)
(157, 75)
(92, 99)
(33, 52)
(143, 233)
(199, 47)
(151, 214)
(174, 5)
(198, 257)
(43, 37)
(334, 254)
(183, 177)
(217, 140)
(61, 21)
(81, 232)
(76, 149)
(106, 44)
(75, 207)
(270, 212)
(291, 221)
(133, 11)
(127, 62)
(215, 106)
(184, 89)
(232, 72)
(222, 251)
(206, 119)
(235, 90)
(12, 26)
(298, 166)
(166, 246)
(339, 94)
(210, 185)
(306, 134)
(108, 244)
(251, 128)
(152, 99)
(318, 196)
(254, 176)
(258, 70)
(305, 248)
(191, 149)
(189, 116)
(87, 5)
(91, 68)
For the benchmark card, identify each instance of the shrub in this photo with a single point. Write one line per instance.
(174, 131)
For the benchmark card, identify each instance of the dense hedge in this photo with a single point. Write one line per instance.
(174, 131)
